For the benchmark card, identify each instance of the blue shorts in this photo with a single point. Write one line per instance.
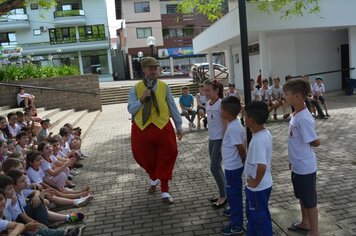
(305, 189)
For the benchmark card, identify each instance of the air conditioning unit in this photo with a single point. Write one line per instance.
(43, 29)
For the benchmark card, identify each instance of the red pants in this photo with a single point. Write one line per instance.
(156, 151)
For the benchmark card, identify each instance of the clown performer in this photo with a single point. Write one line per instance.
(153, 140)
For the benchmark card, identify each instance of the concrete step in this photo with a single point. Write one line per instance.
(7, 111)
(4, 108)
(58, 117)
(120, 94)
(86, 122)
(73, 119)
(48, 113)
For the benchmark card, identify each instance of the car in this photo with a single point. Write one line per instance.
(167, 72)
(220, 71)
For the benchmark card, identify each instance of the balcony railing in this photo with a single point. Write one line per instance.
(62, 41)
(13, 17)
(67, 13)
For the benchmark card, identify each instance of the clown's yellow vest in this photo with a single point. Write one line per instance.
(161, 95)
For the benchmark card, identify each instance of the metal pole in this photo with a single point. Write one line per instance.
(151, 46)
(245, 58)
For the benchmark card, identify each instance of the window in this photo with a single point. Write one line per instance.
(91, 32)
(178, 33)
(34, 6)
(141, 7)
(171, 8)
(143, 32)
(7, 39)
(62, 35)
(37, 32)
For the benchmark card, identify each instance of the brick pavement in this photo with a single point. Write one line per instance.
(122, 207)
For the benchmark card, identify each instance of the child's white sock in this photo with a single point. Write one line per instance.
(155, 182)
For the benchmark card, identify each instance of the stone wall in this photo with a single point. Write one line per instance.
(58, 99)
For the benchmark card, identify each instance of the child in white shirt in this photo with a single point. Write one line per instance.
(318, 93)
(301, 138)
(233, 153)
(258, 170)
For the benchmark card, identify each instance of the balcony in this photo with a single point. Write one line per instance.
(14, 22)
(69, 18)
(66, 45)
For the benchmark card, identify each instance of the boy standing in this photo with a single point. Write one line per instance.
(258, 171)
(301, 138)
(233, 153)
(186, 102)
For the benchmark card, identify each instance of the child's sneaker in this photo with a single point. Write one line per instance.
(190, 126)
(83, 201)
(229, 230)
(75, 217)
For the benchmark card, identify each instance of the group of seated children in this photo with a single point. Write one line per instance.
(35, 174)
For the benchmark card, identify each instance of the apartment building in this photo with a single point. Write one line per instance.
(173, 48)
(74, 32)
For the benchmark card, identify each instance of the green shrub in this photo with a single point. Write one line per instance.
(31, 71)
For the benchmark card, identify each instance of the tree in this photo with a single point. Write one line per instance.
(214, 9)
(8, 5)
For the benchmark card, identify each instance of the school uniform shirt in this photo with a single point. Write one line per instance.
(14, 130)
(3, 225)
(45, 165)
(259, 152)
(202, 99)
(265, 94)
(254, 94)
(318, 89)
(36, 176)
(6, 213)
(18, 208)
(234, 135)
(301, 132)
(216, 127)
(276, 93)
(232, 94)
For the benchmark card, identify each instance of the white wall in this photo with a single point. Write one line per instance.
(297, 54)
(282, 59)
(318, 52)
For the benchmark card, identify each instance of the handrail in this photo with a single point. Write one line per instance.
(325, 72)
(47, 88)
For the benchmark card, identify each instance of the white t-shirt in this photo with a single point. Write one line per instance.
(14, 131)
(3, 225)
(265, 94)
(202, 99)
(232, 94)
(254, 94)
(21, 97)
(301, 132)
(36, 176)
(7, 210)
(259, 152)
(234, 135)
(18, 209)
(45, 165)
(318, 89)
(276, 93)
(216, 126)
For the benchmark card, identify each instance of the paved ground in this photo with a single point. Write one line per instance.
(122, 206)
